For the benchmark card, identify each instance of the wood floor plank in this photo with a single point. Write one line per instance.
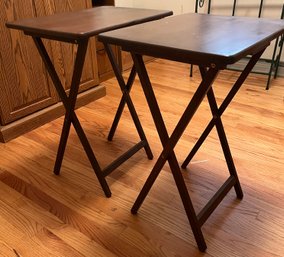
(68, 215)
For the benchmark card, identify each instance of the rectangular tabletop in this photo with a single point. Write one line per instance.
(86, 23)
(198, 38)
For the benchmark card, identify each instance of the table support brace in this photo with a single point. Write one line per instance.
(169, 143)
(223, 106)
(122, 104)
(126, 99)
(222, 136)
(205, 88)
(69, 103)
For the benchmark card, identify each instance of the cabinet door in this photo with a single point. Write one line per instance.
(105, 70)
(24, 86)
(63, 54)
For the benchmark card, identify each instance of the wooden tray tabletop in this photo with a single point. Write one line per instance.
(87, 22)
(198, 38)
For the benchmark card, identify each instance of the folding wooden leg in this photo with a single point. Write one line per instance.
(223, 106)
(169, 144)
(205, 88)
(222, 136)
(69, 104)
(121, 104)
(71, 118)
(126, 99)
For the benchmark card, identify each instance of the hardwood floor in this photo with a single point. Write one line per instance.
(68, 215)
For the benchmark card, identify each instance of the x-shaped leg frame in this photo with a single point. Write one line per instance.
(126, 99)
(69, 103)
(205, 88)
(122, 103)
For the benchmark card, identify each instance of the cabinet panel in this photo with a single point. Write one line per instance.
(127, 62)
(104, 66)
(24, 85)
(28, 98)
(63, 54)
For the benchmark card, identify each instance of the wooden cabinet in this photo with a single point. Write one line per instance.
(62, 53)
(127, 62)
(24, 84)
(102, 2)
(27, 97)
(104, 66)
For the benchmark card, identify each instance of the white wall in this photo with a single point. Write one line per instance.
(272, 8)
(124, 3)
(177, 6)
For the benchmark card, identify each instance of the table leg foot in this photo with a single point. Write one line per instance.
(56, 172)
(133, 210)
(202, 247)
(108, 194)
(239, 192)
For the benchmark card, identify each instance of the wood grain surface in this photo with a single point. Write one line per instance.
(68, 215)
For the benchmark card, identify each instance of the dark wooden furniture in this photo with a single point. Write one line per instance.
(105, 71)
(77, 28)
(268, 66)
(103, 2)
(212, 43)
